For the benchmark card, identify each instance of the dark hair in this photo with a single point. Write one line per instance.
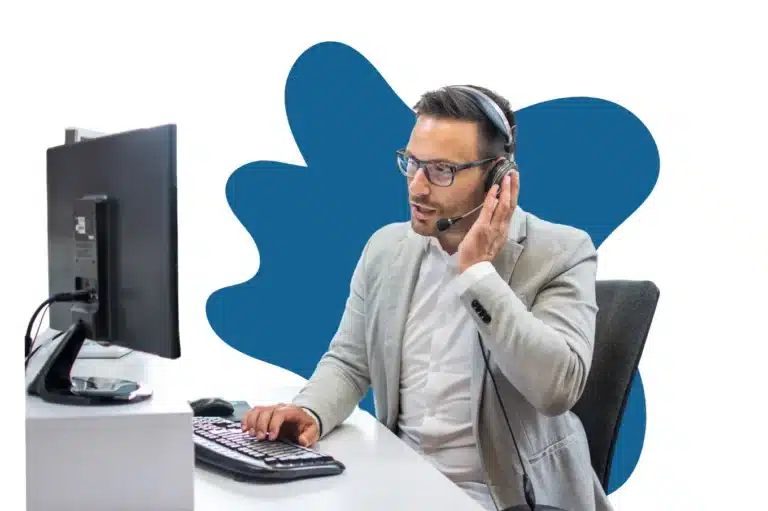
(450, 103)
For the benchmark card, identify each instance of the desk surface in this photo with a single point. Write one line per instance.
(382, 471)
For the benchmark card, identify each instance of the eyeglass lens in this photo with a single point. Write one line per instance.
(439, 174)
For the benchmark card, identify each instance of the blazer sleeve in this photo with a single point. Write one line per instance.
(545, 352)
(341, 378)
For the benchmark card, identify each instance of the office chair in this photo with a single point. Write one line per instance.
(626, 310)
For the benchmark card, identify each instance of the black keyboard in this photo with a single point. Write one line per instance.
(222, 444)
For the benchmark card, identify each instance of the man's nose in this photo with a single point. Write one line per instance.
(419, 184)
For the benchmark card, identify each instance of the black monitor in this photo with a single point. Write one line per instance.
(112, 244)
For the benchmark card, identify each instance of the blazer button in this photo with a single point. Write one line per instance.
(486, 318)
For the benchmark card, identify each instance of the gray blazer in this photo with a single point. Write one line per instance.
(536, 316)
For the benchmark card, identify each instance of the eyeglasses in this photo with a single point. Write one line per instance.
(438, 173)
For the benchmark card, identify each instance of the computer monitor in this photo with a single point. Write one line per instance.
(92, 349)
(112, 233)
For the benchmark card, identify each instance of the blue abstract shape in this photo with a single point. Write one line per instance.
(583, 161)
(629, 443)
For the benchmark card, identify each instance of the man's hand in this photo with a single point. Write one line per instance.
(288, 422)
(488, 234)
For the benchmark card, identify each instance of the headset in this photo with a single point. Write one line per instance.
(506, 164)
(495, 114)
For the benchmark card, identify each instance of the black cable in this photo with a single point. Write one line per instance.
(28, 335)
(40, 324)
(530, 498)
(75, 296)
(26, 361)
(34, 339)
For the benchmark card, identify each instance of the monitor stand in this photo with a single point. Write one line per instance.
(98, 350)
(54, 383)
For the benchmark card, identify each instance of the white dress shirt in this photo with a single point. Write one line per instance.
(435, 416)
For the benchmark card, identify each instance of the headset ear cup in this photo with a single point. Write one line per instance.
(497, 173)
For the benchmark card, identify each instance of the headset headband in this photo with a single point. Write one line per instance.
(494, 114)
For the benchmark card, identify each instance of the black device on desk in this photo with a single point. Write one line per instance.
(221, 443)
(212, 407)
(112, 259)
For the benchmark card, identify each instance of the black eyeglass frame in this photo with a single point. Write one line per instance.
(453, 167)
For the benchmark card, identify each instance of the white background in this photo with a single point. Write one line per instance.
(693, 75)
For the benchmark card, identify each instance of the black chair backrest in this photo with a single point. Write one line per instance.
(626, 310)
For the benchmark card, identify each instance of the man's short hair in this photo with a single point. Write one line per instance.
(451, 103)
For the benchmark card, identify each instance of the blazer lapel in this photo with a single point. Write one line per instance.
(398, 285)
(507, 258)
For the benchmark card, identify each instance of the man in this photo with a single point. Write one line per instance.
(420, 296)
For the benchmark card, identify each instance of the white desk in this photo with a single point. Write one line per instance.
(382, 473)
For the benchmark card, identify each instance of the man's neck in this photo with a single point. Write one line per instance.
(451, 240)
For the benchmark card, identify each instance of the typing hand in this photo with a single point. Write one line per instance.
(289, 422)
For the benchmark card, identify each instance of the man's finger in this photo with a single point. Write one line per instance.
(486, 213)
(262, 424)
(502, 210)
(308, 434)
(276, 423)
(249, 421)
(515, 183)
(514, 191)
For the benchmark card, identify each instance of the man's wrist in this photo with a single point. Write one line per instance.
(464, 266)
(472, 274)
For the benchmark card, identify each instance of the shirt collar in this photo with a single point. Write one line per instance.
(435, 248)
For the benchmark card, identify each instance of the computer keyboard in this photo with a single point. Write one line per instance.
(222, 444)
